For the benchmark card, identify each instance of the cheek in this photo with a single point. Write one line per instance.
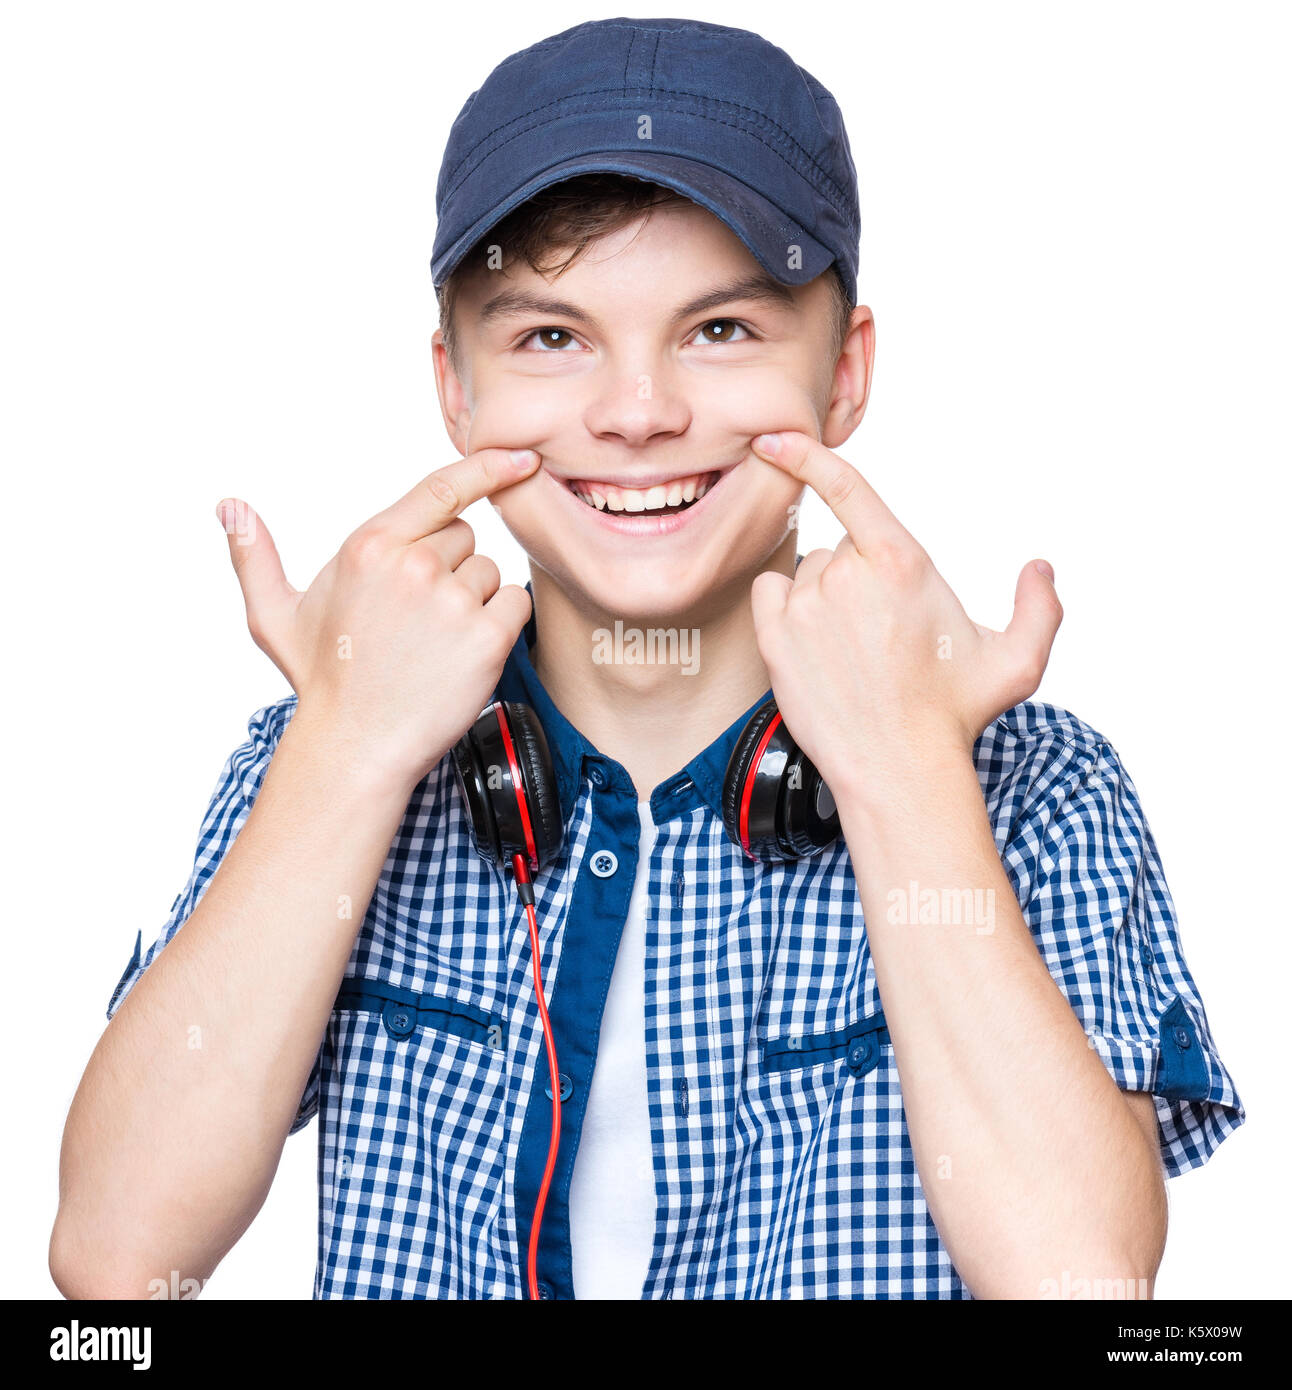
(757, 401)
(528, 413)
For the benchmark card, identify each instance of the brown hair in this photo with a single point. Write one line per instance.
(553, 229)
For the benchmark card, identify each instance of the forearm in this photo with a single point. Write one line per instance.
(1030, 1158)
(178, 1125)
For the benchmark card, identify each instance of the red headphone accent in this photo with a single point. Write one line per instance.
(747, 791)
(518, 781)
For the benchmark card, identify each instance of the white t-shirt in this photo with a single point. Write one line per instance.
(612, 1191)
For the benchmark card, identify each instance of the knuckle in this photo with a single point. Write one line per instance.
(257, 630)
(1031, 668)
(488, 569)
(458, 527)
(889, 554)
(458, 598)
(423, 565)
(364, 548)
(840, 487)
(512, 613)
(907, 560)
(805, 599)
(836, 575)
(442, 491)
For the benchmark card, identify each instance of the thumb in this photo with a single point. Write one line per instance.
(1037, 615)
(265, 590)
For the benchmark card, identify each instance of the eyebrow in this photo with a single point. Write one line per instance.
(760, 286)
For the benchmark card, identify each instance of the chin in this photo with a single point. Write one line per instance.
(638, 590)
(683, 584)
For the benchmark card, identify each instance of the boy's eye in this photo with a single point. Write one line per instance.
(722, 331)
(553, 338)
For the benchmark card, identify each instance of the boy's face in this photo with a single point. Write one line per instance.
(651, 361)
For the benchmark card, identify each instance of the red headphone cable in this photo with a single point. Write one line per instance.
(526, 890)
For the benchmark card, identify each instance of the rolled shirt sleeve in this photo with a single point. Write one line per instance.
(235, 793)
(1090, 882)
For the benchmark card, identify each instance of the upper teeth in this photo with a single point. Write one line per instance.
(607, 497)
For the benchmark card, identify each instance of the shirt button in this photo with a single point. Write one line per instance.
(546, 1291)
(400, 1019)
(604, 863)
(859, 1054)
(1146, 954)
(567, 1086)
(596, 776)
(1182, 1038)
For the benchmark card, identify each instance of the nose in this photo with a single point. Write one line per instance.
(638, 407)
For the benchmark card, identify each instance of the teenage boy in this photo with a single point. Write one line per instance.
(951, 1054)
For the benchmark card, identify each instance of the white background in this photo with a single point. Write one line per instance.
(214, 281)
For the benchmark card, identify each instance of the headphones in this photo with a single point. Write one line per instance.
(774, 806)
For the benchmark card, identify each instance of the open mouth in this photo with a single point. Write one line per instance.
(664, 498)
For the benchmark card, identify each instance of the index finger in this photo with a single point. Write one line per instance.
(848, 495)
(443, 495)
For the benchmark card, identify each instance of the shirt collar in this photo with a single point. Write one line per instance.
(575, 757)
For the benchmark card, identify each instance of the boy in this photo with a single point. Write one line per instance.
(948, 1053)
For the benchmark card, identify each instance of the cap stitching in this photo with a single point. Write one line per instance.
(830, 188)
(582, 96)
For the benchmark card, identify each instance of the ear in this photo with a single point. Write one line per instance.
(852, 374)
(452, 394)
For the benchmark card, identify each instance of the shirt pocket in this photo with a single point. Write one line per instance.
(414, 1133)
(404, 1012)
(860, 1046)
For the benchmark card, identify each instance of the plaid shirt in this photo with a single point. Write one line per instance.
(782, 1163)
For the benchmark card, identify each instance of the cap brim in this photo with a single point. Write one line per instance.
(785, 250)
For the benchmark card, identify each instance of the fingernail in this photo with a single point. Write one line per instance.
(224, 509)
(768, 444)
(523, 458)
(1045, 568)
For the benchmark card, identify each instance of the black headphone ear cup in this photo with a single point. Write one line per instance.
(808, 819)
(791, 812)
(469, 769)
(539, 775)
(740, 766)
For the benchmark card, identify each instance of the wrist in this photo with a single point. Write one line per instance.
(352, 765)
(903, 779)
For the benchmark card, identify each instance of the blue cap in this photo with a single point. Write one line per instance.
(720, 115)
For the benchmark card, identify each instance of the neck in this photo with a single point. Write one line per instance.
(649, 703)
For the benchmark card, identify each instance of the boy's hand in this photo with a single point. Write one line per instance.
(873, 662)
(397, 645)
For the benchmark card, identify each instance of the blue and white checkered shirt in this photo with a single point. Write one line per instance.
(783, 1168)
